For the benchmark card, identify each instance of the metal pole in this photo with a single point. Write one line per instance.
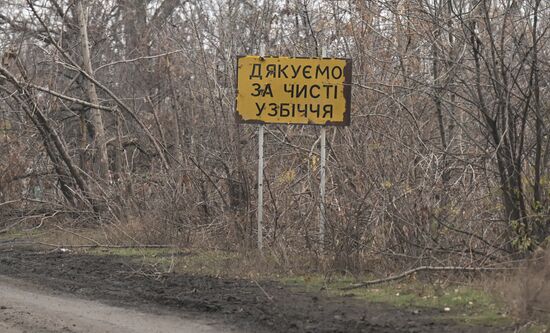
(260, 184)
(322, 216)
(260, 212)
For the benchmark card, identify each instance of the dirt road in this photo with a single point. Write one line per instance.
(124, 284)
(25, 308)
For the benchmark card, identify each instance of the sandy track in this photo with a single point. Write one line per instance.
(26, 309)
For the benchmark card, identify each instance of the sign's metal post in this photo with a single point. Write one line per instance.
(260, 184)
(293, 90)
(322, 216)
(260, 212)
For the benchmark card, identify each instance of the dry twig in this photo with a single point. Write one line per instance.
(269, 297)
(420, 269)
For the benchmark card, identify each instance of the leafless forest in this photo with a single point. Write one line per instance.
(119, 115)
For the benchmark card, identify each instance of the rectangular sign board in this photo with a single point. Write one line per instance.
(282, 90)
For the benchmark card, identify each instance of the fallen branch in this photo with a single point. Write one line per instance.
(269, 297)
(8, 202)
(420, 269)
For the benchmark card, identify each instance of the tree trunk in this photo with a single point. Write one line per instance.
(99, 142)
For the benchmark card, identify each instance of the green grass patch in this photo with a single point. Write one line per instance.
(535, 328)
(465, 304)
(130, 252)
(21, 234)
(214, 263)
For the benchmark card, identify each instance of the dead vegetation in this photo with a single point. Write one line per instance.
(123, 124)
(527, 292)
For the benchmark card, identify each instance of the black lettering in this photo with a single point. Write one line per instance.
(260, 108)
(257, 89)
(291, 91)
(285, 112)
(256, 71)
(317, 95)
(267, 91)
(307, 71)
(274, 108)
(270, 70)
(317, 110)
(327, 110)
(321, 71)
(338, 70)
(301, 90)
(328, 88)
(295, 71)
(282, 71)
(302, 111)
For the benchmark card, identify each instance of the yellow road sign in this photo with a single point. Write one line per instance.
(293, 90)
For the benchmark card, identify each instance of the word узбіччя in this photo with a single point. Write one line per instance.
(293, 90)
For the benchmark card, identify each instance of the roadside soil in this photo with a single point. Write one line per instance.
(250, 306)
(26, 308)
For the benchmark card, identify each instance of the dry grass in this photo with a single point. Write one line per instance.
(527, 292)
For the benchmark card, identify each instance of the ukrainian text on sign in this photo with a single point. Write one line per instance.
(293, 90)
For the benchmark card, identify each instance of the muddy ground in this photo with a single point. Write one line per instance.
(269, 308)
(27, 308)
